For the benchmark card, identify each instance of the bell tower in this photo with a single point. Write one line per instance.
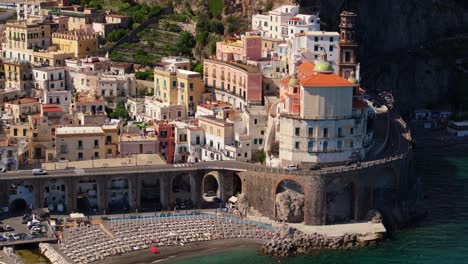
(347, 62)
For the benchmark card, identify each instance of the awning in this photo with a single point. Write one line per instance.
(77, 216)
(233, 199)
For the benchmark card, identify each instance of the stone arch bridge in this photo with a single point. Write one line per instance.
(332, 195)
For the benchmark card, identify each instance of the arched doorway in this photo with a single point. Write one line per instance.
(87, 196)
(55, 196)
(119, 192)
(18, 206)
(181, 195)
(289, 201)
(236, 184)
(150, 195)
(211, 190)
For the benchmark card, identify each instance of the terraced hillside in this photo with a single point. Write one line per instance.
(150, 45)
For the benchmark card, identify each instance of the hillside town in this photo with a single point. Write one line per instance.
(283, 93)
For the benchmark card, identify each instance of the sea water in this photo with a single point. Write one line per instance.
(442, 237)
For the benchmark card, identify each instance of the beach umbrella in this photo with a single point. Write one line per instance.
(154, 250)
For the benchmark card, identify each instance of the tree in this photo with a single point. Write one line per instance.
(198, 67)
(260, 156)
(119, 112)
(185, 43)
(217, 27)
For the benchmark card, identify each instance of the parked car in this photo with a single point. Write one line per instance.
(13, 236)
(39, 172)
(315, 167)
(9, 228)
(2, 229)
(292, 167)
(3, 239)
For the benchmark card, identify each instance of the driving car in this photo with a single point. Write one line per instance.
(292, 167)
(39, 172)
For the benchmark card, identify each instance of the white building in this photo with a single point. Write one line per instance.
(49, 78)
(155, 110)
(174, 63)
(322, 118)
(284, 21)
(314, 42)
(27, 9)
(61, 98)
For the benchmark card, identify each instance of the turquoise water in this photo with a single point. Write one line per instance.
(440, 238)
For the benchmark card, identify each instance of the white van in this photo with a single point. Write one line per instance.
(292, 167)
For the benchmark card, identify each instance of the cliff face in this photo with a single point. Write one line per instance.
(412, 47)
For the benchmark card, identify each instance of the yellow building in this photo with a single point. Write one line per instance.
(18, 75)
(79, 42)
(270, 45)
(21, 35)
(52, 57)
(74, 143)
(112, 140)
(21, 130)
(181, 87)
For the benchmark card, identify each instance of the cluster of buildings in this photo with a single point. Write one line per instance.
(285, 88)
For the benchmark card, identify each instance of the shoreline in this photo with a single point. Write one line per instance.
(171, 253)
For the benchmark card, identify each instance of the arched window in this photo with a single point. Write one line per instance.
(347, 56)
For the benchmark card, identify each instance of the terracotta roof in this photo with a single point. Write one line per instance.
(23, 101)
(325, 80)
(295, 19)
(285, 80)
(51, 109)
(195, 128)
(307, 68)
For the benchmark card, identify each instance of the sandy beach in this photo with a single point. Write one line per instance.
(170, 253)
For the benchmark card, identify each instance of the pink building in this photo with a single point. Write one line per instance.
(249, 47)
(138, 144)
(234, 80)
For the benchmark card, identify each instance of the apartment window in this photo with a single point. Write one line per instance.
(331, 39)
(351, 131)
(211, 130)
(181, 84)
(351, 144)
(316, 39)
(96, 143)
(174, 83)
(63, 149)
(340, 132)
(297, 131)
(80, 144)
(96, 154)
(310, 146)
(311, 131)
(108, 139)
(179, 113)
(109, 151)
(255, 141)
(297, 145)
(339, 144)
(260, 141)
(330, 48)
(80, 155)
(197, 140)
(255, 121)
(191, 86)
(183, 137)
(10, 154)
(325, 146)
(316, 48)
(15, 132)
(262, 132)
(325, 132)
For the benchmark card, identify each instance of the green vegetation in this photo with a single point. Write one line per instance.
(147, 75)
(117, 34)
(184, 45)
(178, 17)
(215, 7)
(119, 112)
(32, 256)
(198, 67)
(260, 156)
(171, 26)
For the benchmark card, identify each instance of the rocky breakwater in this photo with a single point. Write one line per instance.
(52, 254)
(289, 241)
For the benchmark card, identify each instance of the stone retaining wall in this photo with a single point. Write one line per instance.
(52, 254)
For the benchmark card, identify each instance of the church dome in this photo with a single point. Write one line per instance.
(293, 81)
(323, 65)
